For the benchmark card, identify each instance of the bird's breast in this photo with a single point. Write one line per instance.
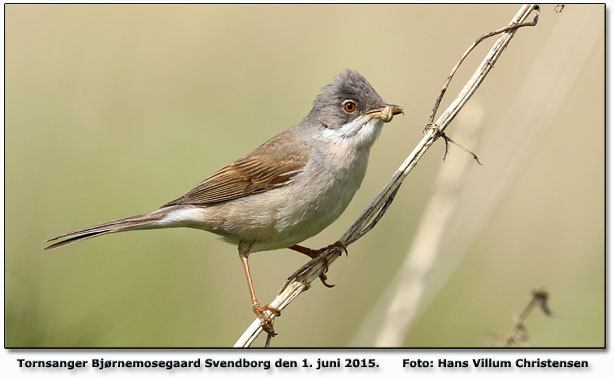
(320, 194)
(288, 215)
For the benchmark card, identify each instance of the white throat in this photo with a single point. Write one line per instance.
(359, 133)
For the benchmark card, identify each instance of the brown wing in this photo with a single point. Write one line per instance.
(255, 173)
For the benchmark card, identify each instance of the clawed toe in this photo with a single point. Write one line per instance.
(274, 310)
(340, 245)
(323, 278)
(265, 319)
(336, 244)
(344, 248)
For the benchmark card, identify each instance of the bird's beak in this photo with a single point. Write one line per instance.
(385, 112)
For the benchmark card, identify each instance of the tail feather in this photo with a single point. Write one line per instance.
(76, 239)
(130, 223)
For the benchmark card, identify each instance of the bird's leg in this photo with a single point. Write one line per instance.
(314, 253)
(259, 310)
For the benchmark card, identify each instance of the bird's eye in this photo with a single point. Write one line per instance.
(349, 106)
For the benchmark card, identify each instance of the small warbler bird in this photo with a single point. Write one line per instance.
(288, 189)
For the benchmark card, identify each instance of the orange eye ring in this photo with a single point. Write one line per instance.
(349, 106)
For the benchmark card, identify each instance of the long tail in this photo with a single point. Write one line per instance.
(138, 222)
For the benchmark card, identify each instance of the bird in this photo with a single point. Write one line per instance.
(283, 192)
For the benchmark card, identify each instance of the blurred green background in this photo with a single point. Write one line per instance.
(113, 110)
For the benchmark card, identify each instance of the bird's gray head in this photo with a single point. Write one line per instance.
(349, 106)
(347, 98)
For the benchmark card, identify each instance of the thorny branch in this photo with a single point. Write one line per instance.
(301, 279)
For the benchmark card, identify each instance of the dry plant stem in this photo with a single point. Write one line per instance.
(512, 26)
(307, 273)
(518, 333)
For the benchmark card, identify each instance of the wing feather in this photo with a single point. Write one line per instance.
(271, 165)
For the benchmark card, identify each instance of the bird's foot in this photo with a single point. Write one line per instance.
(314, 254)
(265, 319)
(320, 251)
(336, 244)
